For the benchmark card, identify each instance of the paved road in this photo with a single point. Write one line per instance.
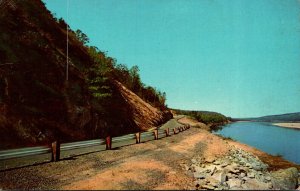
(44, 158)
(149, 165)
(172, 123)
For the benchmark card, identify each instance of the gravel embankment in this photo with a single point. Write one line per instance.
(240, 170)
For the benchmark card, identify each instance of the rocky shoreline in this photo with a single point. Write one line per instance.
(240, 170)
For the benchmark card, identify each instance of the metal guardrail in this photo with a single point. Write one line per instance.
(22, 152)
(161, 131)
(81, 144)
(146, 134)
(123, 138)
(56, 148)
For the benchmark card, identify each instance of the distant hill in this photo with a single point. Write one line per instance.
(288, 117)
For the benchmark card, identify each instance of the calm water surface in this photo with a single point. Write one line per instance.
(266, 137)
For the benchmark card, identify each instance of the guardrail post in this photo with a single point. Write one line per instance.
(174, 130)
(138, 137)
(156, 134)
(55, 147)
(108, 143)
(180, 129)
(167, 132)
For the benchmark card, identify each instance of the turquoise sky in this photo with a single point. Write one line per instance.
(237, 57)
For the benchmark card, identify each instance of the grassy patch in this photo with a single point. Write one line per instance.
(225, 138)
(133, 185)
(278, 155)
(229, 138)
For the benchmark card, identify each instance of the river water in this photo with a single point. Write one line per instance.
(266, 137)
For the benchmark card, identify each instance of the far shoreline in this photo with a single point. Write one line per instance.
(295, 125)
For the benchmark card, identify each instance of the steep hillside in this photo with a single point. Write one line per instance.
(144, 115)
(38, 103)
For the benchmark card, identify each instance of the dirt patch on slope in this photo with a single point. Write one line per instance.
(144, 115)
(213, 148)
(131, 174)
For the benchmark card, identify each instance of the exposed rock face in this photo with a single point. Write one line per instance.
(144, 115)
(285, 179)
(240, 170)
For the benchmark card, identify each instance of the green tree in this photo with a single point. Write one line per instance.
(63, 23)
(98, 75)
(82, 37)
(135, 80)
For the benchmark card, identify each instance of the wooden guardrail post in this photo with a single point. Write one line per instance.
(138, 137)
(55, 147)
(108, 143)
(167, 132)
(156, 134)
(174, 130)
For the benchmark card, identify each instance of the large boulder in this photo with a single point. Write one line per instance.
(199, 175)
(234, 183)
(285, 179)
(220, 176)
(256, 184)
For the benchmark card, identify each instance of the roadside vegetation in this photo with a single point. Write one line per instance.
(206, 117)
(213, 120)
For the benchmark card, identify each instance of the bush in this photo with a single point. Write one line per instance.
(206, 117)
